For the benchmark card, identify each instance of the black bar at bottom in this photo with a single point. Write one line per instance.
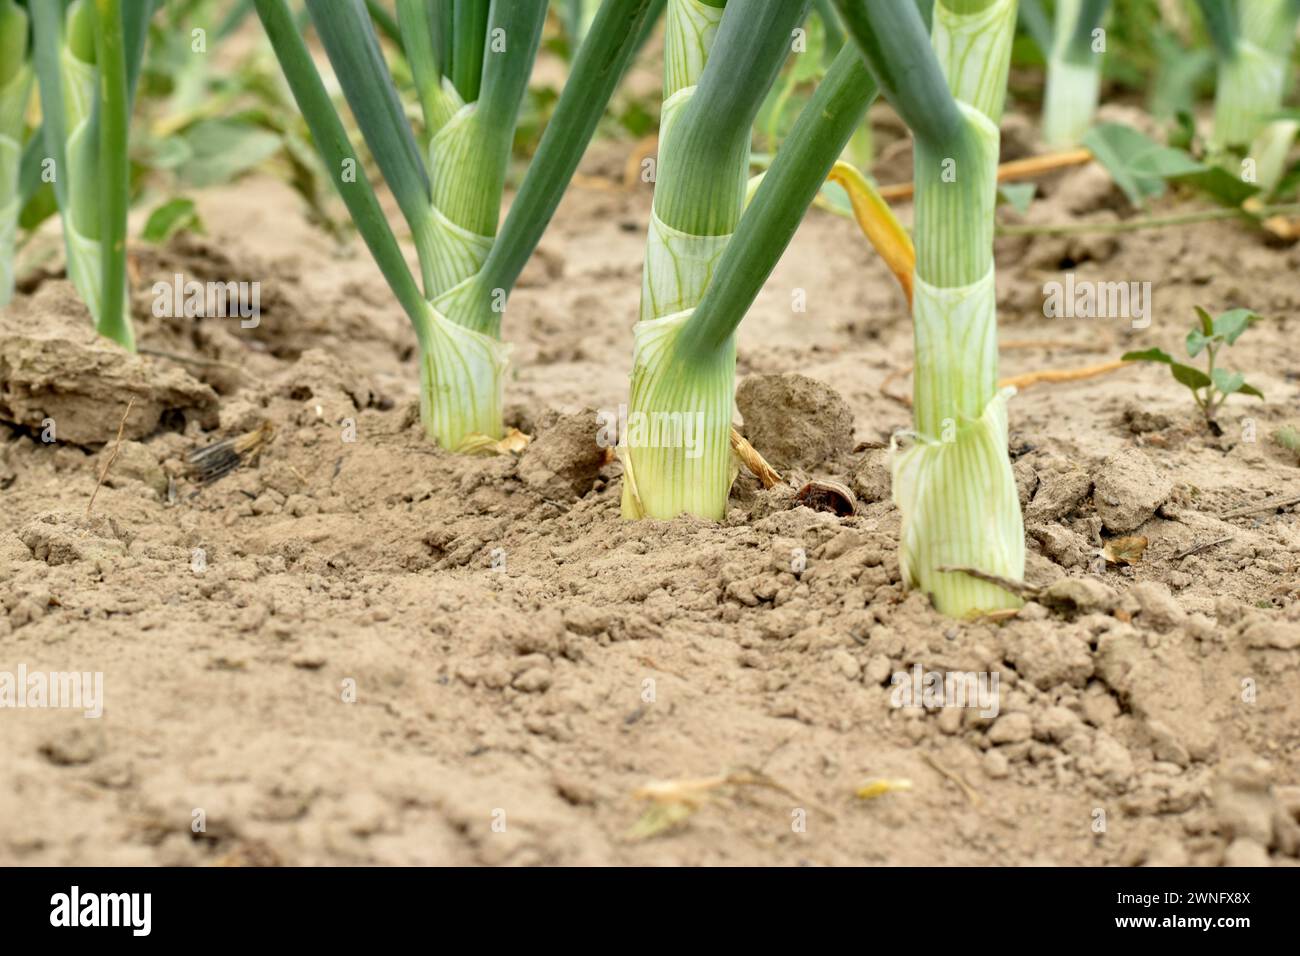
(566, 906)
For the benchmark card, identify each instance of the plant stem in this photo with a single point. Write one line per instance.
(1148, 222)
(383, 20)
(894, 41)
(348, 35)
(474, 171)
(418, 23)
(114, 170)
(47, 23)
(469, 33)
(600, 64)
(338, 155)
(703, 168)
(793, 180)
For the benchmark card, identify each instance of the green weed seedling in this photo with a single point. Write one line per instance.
(1211, 387)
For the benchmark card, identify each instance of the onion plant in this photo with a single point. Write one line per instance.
(87, 63)
(1253, 40)
(705, 133)
(16, 80)
(1073, 72)
(470, 60)
(705, 261)
(953, 483)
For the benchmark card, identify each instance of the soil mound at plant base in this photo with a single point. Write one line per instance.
(563, 461)
(56, 372)
(794, 421)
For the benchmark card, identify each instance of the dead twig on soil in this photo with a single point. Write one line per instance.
(1148, 222)
(997, 617)
(121, 427)
(1018, 588)
(654, 665)
(1204, 546)
(890, 379)
(1019, 382)
(1268, 504)
(1009, 172)
(189, 359)
(955, 777)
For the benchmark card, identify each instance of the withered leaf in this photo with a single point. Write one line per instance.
(1127, 550)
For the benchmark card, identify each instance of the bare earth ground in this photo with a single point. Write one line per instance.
(507, 715)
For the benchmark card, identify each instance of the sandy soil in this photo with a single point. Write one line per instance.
(388, 654)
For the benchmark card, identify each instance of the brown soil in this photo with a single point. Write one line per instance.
(524, 662)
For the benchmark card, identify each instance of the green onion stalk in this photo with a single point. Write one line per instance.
(1073, 72)
(471, 61)
(1253, 41)
(577, 16)
(706, 128)
(16, 79)
(685, 363)
(87, 63)
(861, 149)
(952, 478)
(678, 263)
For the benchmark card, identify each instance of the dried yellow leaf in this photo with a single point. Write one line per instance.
(513, 443)
(877, 788)
(1124, 550)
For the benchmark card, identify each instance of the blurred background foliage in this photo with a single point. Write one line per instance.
(213, 105)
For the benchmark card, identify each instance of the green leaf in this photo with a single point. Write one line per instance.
(1186, 375)
(1196, 343)
(1141, 167)
(1228, 382)
(1217, 183)
(1250, 390)
(41, 206)
(1207, 321)
(1149, 355)
(1178, 70)
(1193, 378)
(1289, 185)
(1122, 150)
(171, 152)
(170, 218)
(635, 119)
(1231, 324)
(1288, 437)
(223, 150)
(1184, 132)
(1165, 162)
(1017, 195)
